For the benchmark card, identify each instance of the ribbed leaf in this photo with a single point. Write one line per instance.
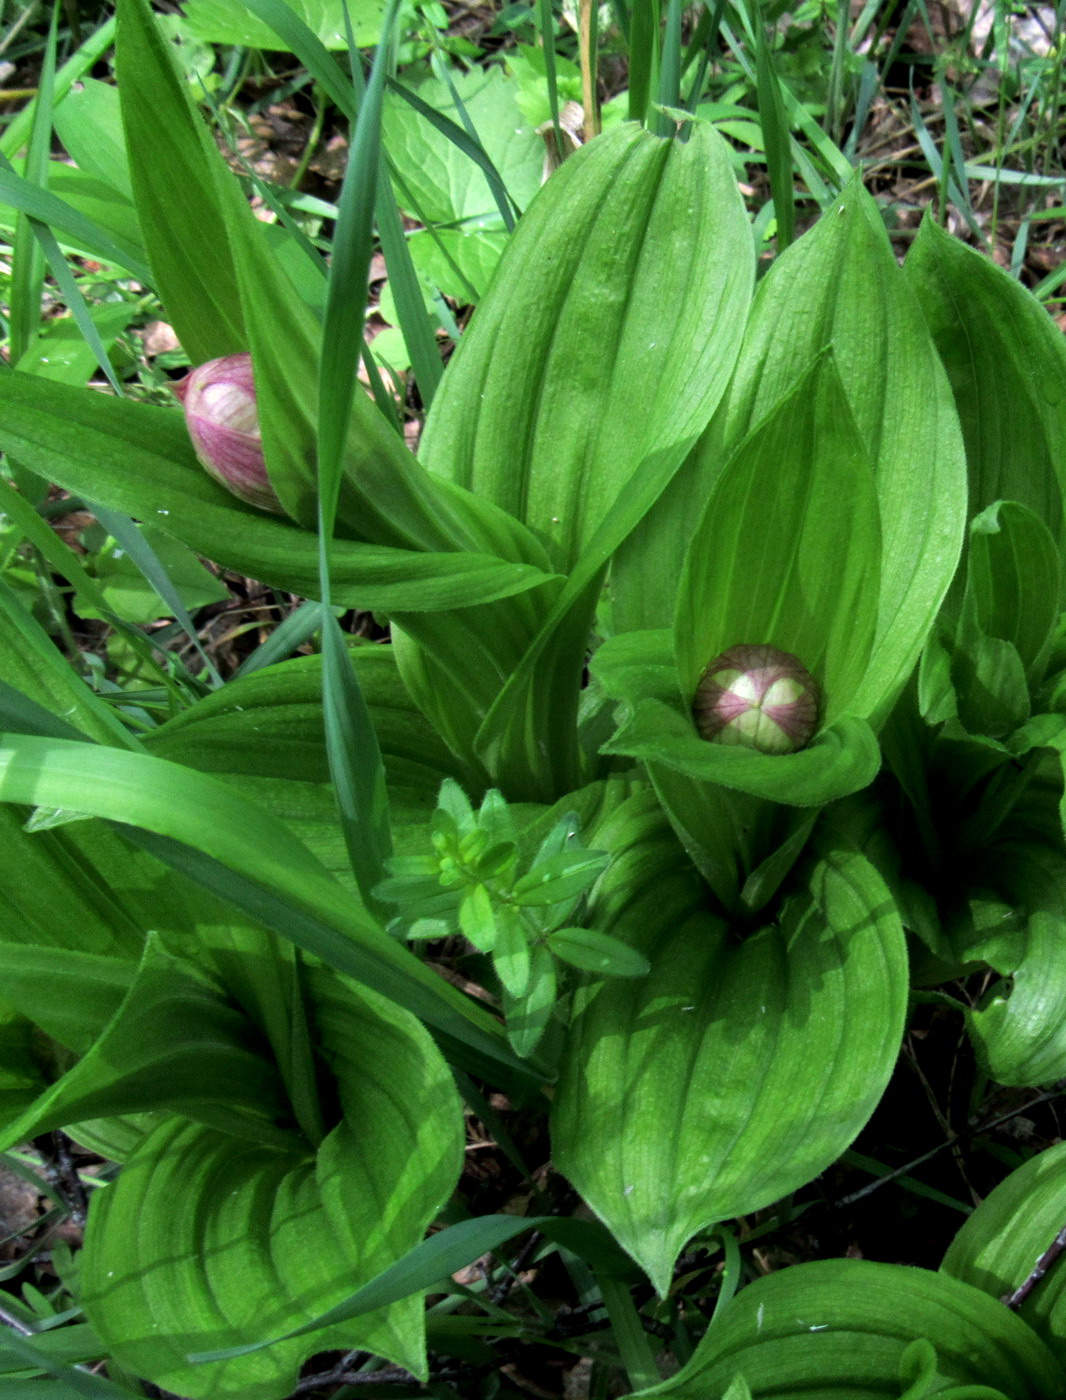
(271, 871)
(796, 567)
(606, 338)
(174, 1042)
(1014, 580)
(783, 1043)
(181, 189)
(269, 725)
(1000, 1243)
(846, 1329)
(839, 286)
(658, 728)
(1006, 363)
(78, 887)
(139, 460)
(1019, 1029)
(594, 361)
(204, 1243)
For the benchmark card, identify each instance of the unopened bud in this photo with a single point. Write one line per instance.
(757, 697)
(223, 422)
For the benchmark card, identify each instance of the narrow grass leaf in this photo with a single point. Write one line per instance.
(643, 46)
(121, 528)
(775, 130)
(450, 1250)
(284, 639)
(27, 261)
(275, 878)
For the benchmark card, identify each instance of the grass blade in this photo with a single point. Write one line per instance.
(27, 260)
(777, 139)
(354, 756)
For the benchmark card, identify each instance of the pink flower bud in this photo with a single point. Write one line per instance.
(759, 698)
(220, 412)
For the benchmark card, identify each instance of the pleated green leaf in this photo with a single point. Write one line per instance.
(1019, 1029)
(181, 189)
(788, 552)
(71, 995)
(840, 286)
(269, 725)
(1006, 362)
(205, 1243)
(78, 888)
(848, 1329)
(174, 1042)
(30, 663)
(999, 1244)
(138, 459)
(606, 338)
(271, 870)
(597, 356)
(734, 1072)
(449, 1250)
(1013, 580)
(657, 727)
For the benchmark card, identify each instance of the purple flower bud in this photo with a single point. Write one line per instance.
(759, 698)
(220, 413)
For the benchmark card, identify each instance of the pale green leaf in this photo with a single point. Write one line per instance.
(845, 1330)
(783, 1043)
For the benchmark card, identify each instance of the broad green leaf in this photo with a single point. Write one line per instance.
(174, 1043)
(203, 1244)
(129, 594)
(229, 22)
(843, 758)
(269, 724)
(1019, 1029)
(1013, 579)
(606, 339)
(138, 459)
(783, 1042)
(81, 887)
(795, 566)
(84, 213)
(447, 1251)
(1006, 363)
(61, 352)
(71, 995)
(270, 868)
(839, 286)
(844, 1329)
(625, 287)
(89, 52)
(444, 184)
(32, 664)
(89, 123)
(999, 1244)
(182, 191)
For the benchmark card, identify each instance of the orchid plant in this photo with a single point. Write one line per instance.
(724, 701)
